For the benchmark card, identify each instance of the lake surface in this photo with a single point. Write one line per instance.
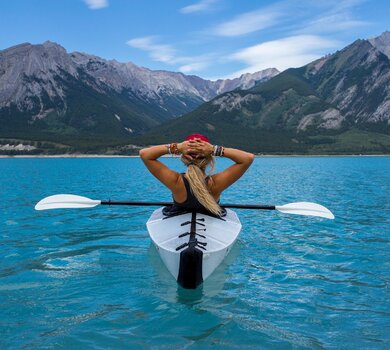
(90, 279)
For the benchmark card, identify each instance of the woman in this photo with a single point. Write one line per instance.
(194, 189)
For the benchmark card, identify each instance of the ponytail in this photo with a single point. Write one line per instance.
(196, 178)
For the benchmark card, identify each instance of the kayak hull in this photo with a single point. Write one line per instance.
(192, 245)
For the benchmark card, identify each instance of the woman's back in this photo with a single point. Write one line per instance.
(184, 196)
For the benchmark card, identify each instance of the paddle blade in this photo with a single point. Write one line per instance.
(305, 208)
(59, 201)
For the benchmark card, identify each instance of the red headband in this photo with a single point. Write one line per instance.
(197, 136)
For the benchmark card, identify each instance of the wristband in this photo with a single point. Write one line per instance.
(173, 148)
(218, 151)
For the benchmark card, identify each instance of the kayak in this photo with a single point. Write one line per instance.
(193, 244)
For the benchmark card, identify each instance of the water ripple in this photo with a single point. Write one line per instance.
(91, 278)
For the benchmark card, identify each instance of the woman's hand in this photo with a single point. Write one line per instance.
(186, 149)
(199, 148)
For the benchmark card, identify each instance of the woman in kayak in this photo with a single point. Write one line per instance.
(195, 189)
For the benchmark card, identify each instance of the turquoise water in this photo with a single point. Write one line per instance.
(90, 279)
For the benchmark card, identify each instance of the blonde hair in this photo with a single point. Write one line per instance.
(196, 169)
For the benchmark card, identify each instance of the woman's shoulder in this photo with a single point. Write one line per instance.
(211, 184)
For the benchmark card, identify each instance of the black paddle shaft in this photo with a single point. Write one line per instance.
(164, 204)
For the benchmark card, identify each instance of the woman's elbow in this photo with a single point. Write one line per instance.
(250, 158)
(142, 153)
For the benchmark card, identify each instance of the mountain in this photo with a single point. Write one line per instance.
(339, 103)
(47, 93)
(382, 43)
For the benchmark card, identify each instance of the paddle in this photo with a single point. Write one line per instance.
(71, 201)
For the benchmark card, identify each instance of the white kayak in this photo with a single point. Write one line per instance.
(192, 245)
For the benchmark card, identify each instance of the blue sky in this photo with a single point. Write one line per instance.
(209, 38)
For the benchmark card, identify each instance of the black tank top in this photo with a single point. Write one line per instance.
(191, 202)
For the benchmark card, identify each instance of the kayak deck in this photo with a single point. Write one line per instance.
(193, 244)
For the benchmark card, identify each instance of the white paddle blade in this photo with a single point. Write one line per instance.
(66, 201)
(306, 208)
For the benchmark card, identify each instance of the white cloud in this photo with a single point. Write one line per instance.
(96, 4)
(294, 51)
(334, 15)
(249, 22)
(336, 18)
(158, 52)
(198, 7)
(346, 4)
(300, 29)
(332, 23)
(193, 67)
(169, 55)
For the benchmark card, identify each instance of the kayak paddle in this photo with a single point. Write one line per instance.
(59, 201)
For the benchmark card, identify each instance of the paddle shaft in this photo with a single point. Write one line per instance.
(164, 204)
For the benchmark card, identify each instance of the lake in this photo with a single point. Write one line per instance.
(90, 279)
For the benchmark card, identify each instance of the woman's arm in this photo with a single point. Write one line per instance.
(230, 175)
(150, 157)
(224, 179)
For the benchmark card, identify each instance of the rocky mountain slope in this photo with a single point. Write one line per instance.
(46, 92)
(308, 108)
(382, 43)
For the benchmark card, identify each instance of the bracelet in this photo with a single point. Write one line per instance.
(168, 146)
(173, 148)
(218, 151)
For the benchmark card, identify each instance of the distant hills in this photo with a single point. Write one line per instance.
(49, 94)
(337, 104)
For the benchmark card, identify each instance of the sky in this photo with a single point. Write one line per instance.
(209, 38)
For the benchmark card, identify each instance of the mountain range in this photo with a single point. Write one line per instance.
(46, 92)
(339, 103)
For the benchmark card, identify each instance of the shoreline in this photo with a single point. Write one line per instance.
(168, 156)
